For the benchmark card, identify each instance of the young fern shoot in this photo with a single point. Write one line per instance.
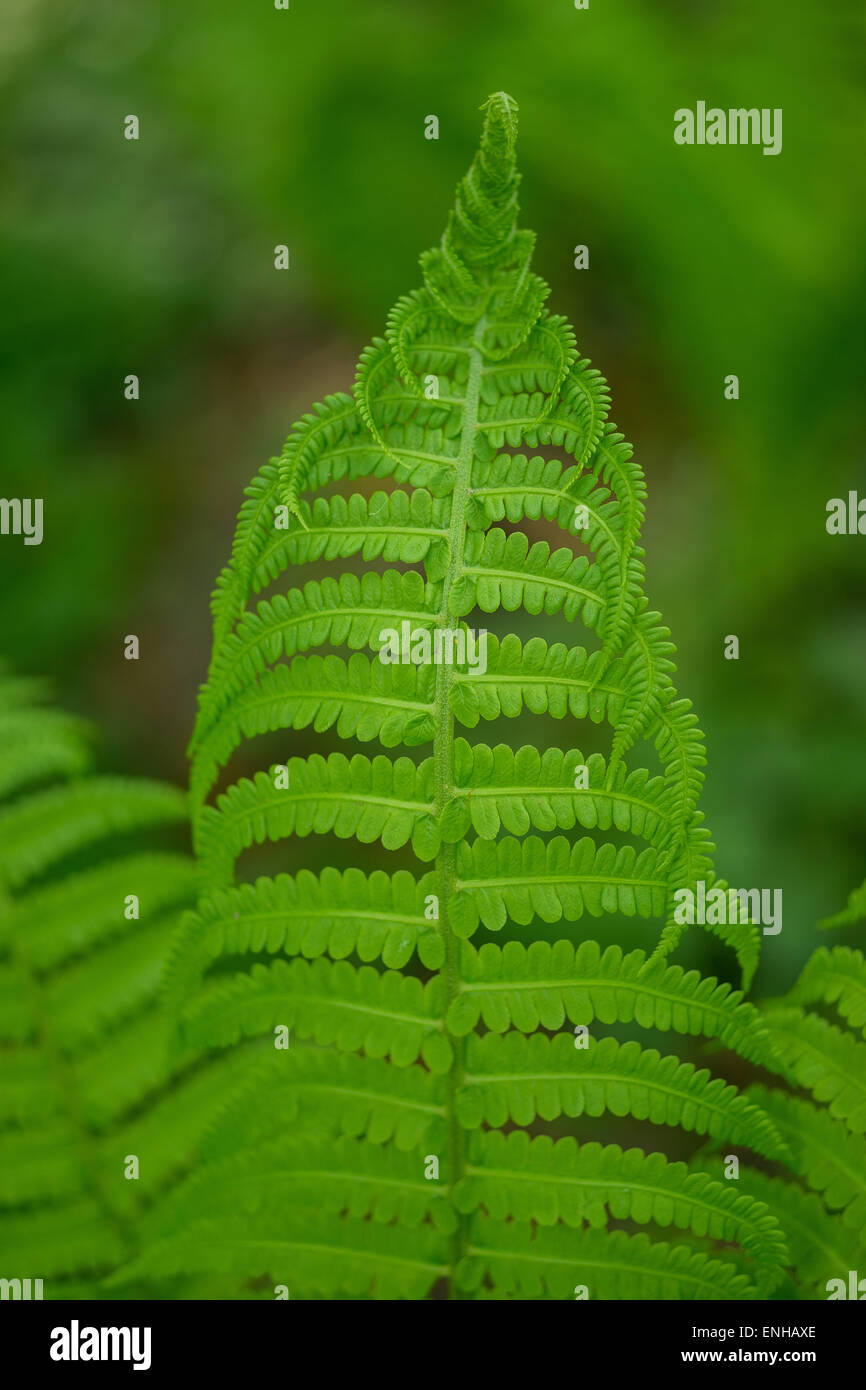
(432, 1008)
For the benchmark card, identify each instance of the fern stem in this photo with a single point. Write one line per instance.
(443, 753)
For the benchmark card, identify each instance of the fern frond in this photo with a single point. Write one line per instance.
(353, 1095)
(38, 744)
(88, 1076)
(366, 798)
(477, 414)
(824, 1152)
(519, 880)
(360, 698)
(49, 825)
(522, 788)
(553, 1262)
(57, 921)
(543, 679)
(544, 985)
(305, 1250)
(338, 914)
(824, 1059)
(513, 1078)
(835, 977)
(349, 611)
(513, 1176)
(852, 913)
(316, 1170)
(61, 1242)
(823, 1214)
(820, 1247)
(381, 1014)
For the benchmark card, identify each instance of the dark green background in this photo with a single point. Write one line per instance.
(306, 127)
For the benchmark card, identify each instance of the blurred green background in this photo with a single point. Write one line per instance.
(306, 127)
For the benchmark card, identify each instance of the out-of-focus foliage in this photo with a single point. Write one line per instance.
(90, 1078)
(305, 126)
(819, 1194)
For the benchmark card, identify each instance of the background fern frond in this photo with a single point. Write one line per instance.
(853, 912)
(818, 1195)
(89, 1074)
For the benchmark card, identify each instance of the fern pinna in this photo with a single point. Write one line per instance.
(88, 1075)
(418, 1135)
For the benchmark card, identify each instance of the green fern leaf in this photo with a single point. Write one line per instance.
(544, 985)
(88, 1072)
(823, 1213)
(610, 1265)
(830, 1159)
(546, 1182)
(472, 472)
(835, 977)
(825, 1060)
(852, 913)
